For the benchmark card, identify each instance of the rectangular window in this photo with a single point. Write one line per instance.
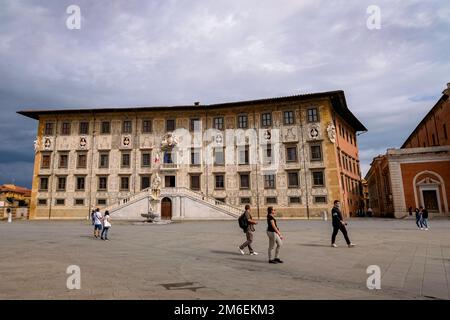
(63, 161)
(267, 154)
(102, 183)
(195, 182)
(127, 126)
(80, 183)
(245, 181)
(104, 161)
(313, 115)
(195, 125)
(316, 153)
(219, 181)
(195, 157)
(146, 160)
(42, 202)
(65, 129)
(219, 156)
(245, 200)
(294, 200)
(168, 157)
(79, 202)
(243, 155)
(101, 202)
(49, 127)
(271, 200)
(318, 180)
(82, 161)
(124, 183)
(145, 182)
(269, 181)
(218, 123)
(45, 164)
(288, 117)
(170, 125)
(62, 183)
(291, 153)
(293, 180)
(84, 128)
(242, 121)
(126, 160)
(146, 126)
(43, 185)
(60, 202)
(169, 181)
(106, 127)
(320, 199)
(266, 119)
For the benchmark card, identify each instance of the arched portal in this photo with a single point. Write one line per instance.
(166, 209)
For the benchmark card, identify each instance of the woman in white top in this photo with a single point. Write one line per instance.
(106, 226)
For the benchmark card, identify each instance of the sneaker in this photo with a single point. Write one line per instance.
(421, 228)
(278, 260)
(272, 261)
(106, 239)
(241, 251)
(351, 245)
(426, 228)
(253, 253)
(334, 245)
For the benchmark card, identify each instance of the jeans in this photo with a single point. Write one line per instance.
(335, 232)
(249, 241)
(274, 238)
(105, 231)
(419, 222)
(424, 222)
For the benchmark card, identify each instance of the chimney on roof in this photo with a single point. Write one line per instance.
(447, 91)
(196, 103)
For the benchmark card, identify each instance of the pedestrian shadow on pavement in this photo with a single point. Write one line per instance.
(249, 260)
(226, 252)
(313, 245)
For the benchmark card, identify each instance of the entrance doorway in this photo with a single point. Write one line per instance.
(430, 200)
(166, 209)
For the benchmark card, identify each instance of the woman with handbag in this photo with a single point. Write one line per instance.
(106, 226)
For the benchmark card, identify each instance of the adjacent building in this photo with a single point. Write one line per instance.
(296, 153)
(417, 174)
(16, 198)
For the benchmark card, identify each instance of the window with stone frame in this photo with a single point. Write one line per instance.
(84, 128)
(65, 129)
(42, 202)
(316, 152)
(318, 178)
(104, 161)
(195, 125)
(146, 126)
(291, 153)
(267, 153)
(243, 155)
(82, 161)
(126, 160)
(313, 115)
(219, 123)
(266, 119)
(269, 181)
(80, 183)
(244, 179)
(78, 202)
(124, 183)
(320, 199)
(105, 127)
(293, 181)
(195, 182)
(170, 124)
(195, 157)
(219, 181)
(127, 126)
(146, 159)
(219, 156)
(43, 184)
(60, 202)
(242, 121)
(63, 161)
(271, 200)
(102, 183)
(245, 200)
(46, 161)
(145, 182)
(101, 202)
(62, 181)
(49, 128)
(295, 200)
(288, 117)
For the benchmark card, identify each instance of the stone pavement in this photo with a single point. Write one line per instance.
(200, 260)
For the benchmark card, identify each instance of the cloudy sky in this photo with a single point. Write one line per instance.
(171, 52)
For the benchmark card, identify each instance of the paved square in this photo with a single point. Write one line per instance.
(200, 260)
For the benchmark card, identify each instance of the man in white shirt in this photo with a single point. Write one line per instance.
(97, 223)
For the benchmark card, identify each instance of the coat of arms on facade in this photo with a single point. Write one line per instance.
(267, 135)
(126, 141)
(290, 135)
(47, 143)
(169, 141)
(331, 130)
(83, 142)
(314, 133)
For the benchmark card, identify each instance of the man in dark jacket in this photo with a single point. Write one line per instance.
(339, 224)
(424, 221)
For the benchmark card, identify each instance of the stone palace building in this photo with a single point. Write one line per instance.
(296, 153)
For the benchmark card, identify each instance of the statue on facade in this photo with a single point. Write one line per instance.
(331, 129)
(156, 186)
(169, 141)
(36, 146)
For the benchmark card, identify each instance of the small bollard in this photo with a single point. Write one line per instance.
(325, 216)
(9, 215)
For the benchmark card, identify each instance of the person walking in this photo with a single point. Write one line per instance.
(424, 220)
(339, 225)
(275, 237)
(97, 223)
(92, 216)
(106, 226)
(419, 219)
(248, 232)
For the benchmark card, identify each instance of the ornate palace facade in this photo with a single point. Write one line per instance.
(296, 153)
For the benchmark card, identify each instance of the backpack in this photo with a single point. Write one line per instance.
(243, 222)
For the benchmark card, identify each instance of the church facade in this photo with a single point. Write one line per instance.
(296, 153)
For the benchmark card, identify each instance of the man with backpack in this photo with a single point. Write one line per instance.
(247, 224)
